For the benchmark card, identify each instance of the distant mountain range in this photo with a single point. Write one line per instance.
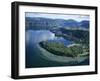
(47, 23)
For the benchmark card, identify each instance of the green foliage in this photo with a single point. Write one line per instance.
(75, 34)
(58, 48)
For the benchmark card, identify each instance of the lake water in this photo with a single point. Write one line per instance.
(36, 36)
(33, 58)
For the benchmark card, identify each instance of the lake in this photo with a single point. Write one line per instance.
(34, 56)
(36, 36)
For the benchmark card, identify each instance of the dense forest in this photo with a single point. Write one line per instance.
(78, 35)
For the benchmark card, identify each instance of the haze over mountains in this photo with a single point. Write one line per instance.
(48, 23)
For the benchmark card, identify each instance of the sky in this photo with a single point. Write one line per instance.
(76, 17)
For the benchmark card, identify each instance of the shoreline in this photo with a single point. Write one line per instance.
(49, 56)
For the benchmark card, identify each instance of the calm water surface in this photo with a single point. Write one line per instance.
(33, 58)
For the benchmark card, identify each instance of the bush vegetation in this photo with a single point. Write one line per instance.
(60, 49)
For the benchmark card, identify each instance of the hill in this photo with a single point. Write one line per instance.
(37, 23)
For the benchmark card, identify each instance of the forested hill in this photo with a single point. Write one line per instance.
(47, 23)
